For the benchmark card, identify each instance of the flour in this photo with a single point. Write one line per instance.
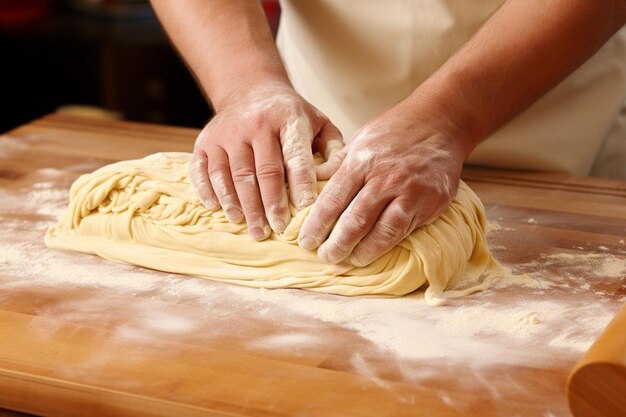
(43, 198)
(597, 264)
(10, 145)
(279, 341)
(512, 323)
(46, 198)
(296, 139)
(493, 227)
(411, 329)
(406, 327)
(366, 156)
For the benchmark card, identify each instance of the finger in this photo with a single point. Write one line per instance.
(328, 168)
(330, 143)
(393, 225)
(244, 176)
(199, 177)
(353, 224)
(222, 182)
(332, 201)
(271, 177)
(296, 141)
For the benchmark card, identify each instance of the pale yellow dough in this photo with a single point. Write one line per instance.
(144, 212)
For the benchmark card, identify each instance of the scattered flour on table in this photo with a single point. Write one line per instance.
(494, 226)
(479, 329)
(44, 198)
(486, 329)
(595, 264)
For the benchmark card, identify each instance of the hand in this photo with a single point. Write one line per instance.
(240, 157)
(400, 172)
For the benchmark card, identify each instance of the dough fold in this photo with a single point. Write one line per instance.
(144, 212)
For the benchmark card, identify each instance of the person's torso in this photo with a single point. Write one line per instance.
(354, 59)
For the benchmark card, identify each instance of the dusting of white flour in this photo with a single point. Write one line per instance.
(480, 328)
(512, 323)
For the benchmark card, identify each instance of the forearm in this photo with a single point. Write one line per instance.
(522, 51)
(226, 43)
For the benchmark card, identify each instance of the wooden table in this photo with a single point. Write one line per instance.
(80, 336)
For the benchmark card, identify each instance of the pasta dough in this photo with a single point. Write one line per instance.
(144, 212)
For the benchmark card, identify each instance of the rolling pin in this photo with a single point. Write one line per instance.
(597, 385)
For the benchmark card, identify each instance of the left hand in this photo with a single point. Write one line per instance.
(400, 171)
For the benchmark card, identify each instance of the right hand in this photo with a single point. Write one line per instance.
(401, 171)
(242, 155)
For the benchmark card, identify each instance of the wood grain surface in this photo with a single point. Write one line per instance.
(80, 336)
(597, 385)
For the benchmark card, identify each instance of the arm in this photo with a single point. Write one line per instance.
(402, 168)
(226, 43)
(526, 48)
(262, 129)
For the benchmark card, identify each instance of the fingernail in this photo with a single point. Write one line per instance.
(323, 253)
(234, 215)
(307, 243)
(210, 204)
(278, 224)
(259, 233)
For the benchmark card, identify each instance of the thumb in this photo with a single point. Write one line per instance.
(330, 144)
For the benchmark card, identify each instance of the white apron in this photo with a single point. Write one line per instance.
(353, 59)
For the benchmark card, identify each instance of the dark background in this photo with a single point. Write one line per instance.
(109, 54)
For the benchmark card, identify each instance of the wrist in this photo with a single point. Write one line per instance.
(247, 89)
(440, 102)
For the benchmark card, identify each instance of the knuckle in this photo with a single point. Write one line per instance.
(217, 168)
(304, 177)
(243, 175)
(269, 172)
(205, 135)
(357, 220)
(385, 230)
(333, 202)
(257, 121)
(304, 185)
(395, 178)
(395, 228)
